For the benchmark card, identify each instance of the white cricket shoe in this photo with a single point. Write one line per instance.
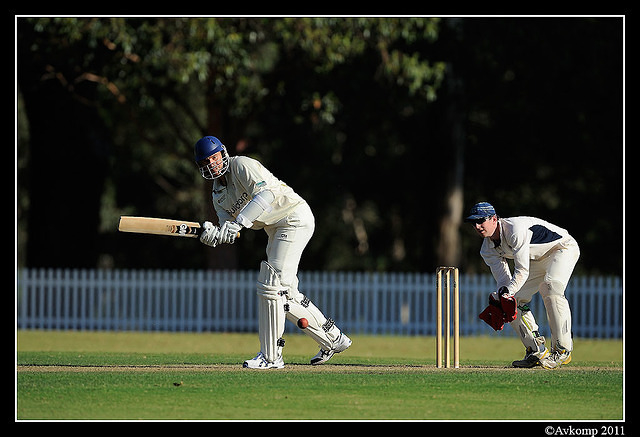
(341, 344)
(563, 356)
(260, 362)
(556, 359)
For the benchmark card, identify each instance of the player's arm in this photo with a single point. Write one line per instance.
(521, 251)
(253, 176)
(260, 203)
(497, 264)
(260, 184)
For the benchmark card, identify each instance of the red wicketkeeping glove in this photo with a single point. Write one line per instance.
(493, 316)
(501, 310)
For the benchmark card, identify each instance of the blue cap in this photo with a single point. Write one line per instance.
(480, 210)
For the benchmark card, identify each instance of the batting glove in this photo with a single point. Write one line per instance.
(229, 231)
(210, 234)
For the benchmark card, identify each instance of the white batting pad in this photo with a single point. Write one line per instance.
(322, 330)
(271, 316)
(526, 327)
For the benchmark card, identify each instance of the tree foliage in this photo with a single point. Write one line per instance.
(362, 116)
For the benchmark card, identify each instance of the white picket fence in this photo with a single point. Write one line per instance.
(225, 301)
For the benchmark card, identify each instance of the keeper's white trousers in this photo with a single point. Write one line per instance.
(549, 276)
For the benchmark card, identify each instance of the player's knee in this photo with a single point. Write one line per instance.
(268, 284)
(551, 287)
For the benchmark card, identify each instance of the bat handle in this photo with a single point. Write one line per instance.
(198, 232)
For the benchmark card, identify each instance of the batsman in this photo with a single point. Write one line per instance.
(544, 256)
(247, 195)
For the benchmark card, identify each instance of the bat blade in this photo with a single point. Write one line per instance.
(159, 226)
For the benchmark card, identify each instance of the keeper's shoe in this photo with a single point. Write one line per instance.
(260, 362)
(557, 359)
(341, 344)
(563, 357)
(532, 359)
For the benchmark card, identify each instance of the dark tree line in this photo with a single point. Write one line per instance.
(390, 128)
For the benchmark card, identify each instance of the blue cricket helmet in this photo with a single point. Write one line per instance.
(210, 166)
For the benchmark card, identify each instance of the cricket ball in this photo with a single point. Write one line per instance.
(303, 323)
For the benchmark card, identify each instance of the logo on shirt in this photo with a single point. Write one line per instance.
(238, 204)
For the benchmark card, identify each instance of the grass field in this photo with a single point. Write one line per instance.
(162, 376)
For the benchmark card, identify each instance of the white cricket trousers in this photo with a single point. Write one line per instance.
(549, 276)
(287, 240)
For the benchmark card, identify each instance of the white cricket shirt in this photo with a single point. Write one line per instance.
(522, 239)
(245, 178)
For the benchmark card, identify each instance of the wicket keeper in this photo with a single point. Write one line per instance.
(247, 195)
(544, 256)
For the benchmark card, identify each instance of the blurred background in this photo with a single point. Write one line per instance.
(390, 128)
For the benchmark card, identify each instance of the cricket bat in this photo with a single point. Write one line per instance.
(159, 226)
